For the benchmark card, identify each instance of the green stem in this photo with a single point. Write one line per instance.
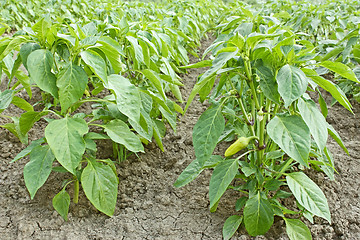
(76, 191)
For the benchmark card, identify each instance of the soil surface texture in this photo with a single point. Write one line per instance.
(149, 207)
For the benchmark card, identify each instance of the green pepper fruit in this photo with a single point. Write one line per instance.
(238, 145)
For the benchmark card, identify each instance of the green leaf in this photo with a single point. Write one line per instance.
(204, 63)
(206, 133)
(240, 203)
(296, 229)
(322, 103)
(224, 173)
(100, 186)
(190, 173)
(40, 63)
(61, 203)
(28, 149)
(65, 137)
(334, 90)
(37, 171)
(14, 43)
(217, 64)
(96, 63)
(268, 84)
(231, 224)
(113, 51)
(14, 128)
(340, 69)
(292, 83)
(315, 121)
(138, 53)
(335, 135)
(157, 133)
(22, 103)
(155, 80)
(5, 99)
(292, 135)
(72, 82)
(26, 49)
(308, 194)
(119, 132)
(258, 215)
(28, 119)
(127, 96)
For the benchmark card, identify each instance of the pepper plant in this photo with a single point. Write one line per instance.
(124, 69)
(264, 73)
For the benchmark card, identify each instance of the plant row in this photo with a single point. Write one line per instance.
(123, 62)
(262, 71)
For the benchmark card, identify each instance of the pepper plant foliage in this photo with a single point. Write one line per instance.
(263, 73)
(124, 69)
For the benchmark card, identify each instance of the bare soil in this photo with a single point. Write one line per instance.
(149, 207)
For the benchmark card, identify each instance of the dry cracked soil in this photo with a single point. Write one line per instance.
(149, 207)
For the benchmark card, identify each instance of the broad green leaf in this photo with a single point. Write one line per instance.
(24, 80)
(206, 133)
(22, 103)
(40, 63)
(176, 91)
(206, 89)
(138, 53)
(119, 132)
(157, 134)
(28, 119)
(323, 105)
(335, 135)
(28, 149)
(171, 118)
(100, 186)
(340, 69)
(231, 224)
(258, 215)
(240, 203)
(5, 99)
(26, 49)
(335, 91)
(292, 135)
(13, 45)
(308, 194)
(113, 52)
(268, 84)
(127, 96)
(328, 166)
(72, 82)
(292, 83)
(155, 80)
(190, 173)
(217, 64)
(14, 128)
(37, 171)
(204, 63)
(65, 137)
(146, 52)
(157, 98)
(224, 173)
(297, 230)
(61, 203)
(96, 63)
(315, 121)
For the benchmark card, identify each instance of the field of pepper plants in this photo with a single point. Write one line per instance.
(179, 119)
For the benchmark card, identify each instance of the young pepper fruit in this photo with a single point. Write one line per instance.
(238, 145)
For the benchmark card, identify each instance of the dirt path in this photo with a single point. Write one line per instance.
(149, 207)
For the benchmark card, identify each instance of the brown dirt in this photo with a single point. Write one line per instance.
(149, 207)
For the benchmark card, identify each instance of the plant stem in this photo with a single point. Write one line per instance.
(76, 191)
